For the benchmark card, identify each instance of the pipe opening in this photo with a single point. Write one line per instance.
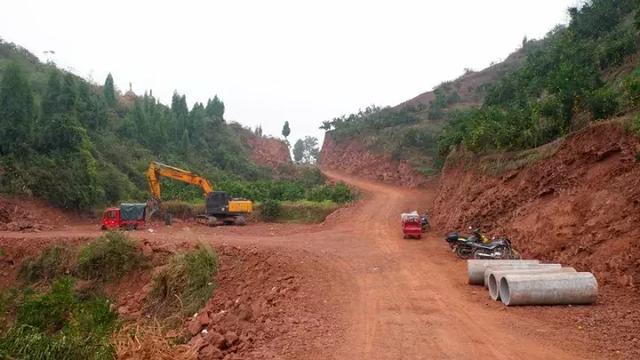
(505, 294)
(493, 287)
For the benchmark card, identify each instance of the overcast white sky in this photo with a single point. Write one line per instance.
(271, 61)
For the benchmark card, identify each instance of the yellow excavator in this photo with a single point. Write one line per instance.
(219, 206)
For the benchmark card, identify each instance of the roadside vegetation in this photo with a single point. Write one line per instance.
(184, 285)
(57, 314)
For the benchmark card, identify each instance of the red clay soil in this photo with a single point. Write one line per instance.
(353, 288)
(267, 151)
(28, 215)
(351, 157)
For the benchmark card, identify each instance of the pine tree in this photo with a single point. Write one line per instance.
(286, 130)
(16, 111)
(109, 91)
(215, 108)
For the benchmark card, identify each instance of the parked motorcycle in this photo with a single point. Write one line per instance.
(462, 245)
(479, 246)
(498, 248)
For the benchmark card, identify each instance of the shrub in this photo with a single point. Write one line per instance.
(270, 210)
(603, 102)
(185, 284)
(58, 325)
(108, 257)
(52, 262)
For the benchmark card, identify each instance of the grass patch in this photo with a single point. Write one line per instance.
(185, 284)
(60, 325)
(54, 261)
(300, 212)
(108, 257)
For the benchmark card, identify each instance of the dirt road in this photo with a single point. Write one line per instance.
(395, 298)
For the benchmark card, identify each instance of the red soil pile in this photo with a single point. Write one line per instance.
(28, 215)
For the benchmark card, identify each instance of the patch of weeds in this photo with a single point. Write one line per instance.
(638, 156)
(54, 261)
(59, 325)
(185, 284)
(108, 257)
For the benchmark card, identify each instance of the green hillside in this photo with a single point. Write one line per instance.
(80, 145)
(579, 73)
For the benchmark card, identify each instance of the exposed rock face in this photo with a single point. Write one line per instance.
(353, 158)
(580, 206)
(267, 151)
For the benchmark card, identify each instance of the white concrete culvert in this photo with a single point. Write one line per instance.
(496, 275)
(475, 268)
(489, 269)
(549, 289)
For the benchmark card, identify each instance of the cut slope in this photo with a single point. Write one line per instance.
(580, 206)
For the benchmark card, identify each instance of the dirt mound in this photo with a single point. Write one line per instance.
(267, 151)
(266, 305)
(27, 215)
(353, 158)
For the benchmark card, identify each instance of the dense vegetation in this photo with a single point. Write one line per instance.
(566, 80)
(82, 146)
(55, 315)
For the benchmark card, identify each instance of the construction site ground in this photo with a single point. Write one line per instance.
(353, 288)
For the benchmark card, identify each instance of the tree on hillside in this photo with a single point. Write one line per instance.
(109, 91)
(16, 111)
(311, 150)
(258, 130)
(306, 151)
(215, 108)
(298, 151)
(286, 130)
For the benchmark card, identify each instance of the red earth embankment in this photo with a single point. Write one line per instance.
(267, 151)
(353, 158)
(579, 206)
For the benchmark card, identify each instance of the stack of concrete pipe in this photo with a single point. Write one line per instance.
(528, 282)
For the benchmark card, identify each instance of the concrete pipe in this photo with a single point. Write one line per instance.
(549, 289)
(496, 275)
(491, 268)
(475, 268)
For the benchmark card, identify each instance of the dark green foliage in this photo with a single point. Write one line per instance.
(270, 210)
(108, 257)
(185, 284)
(54, 261)
(109, 91)
(16, 111)
(373, 118)
(60, 325)
(563, 77)
(298, 151)
(339, 193)
(603, 102)
(285, 129)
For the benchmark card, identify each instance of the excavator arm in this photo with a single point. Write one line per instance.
(158, 170)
